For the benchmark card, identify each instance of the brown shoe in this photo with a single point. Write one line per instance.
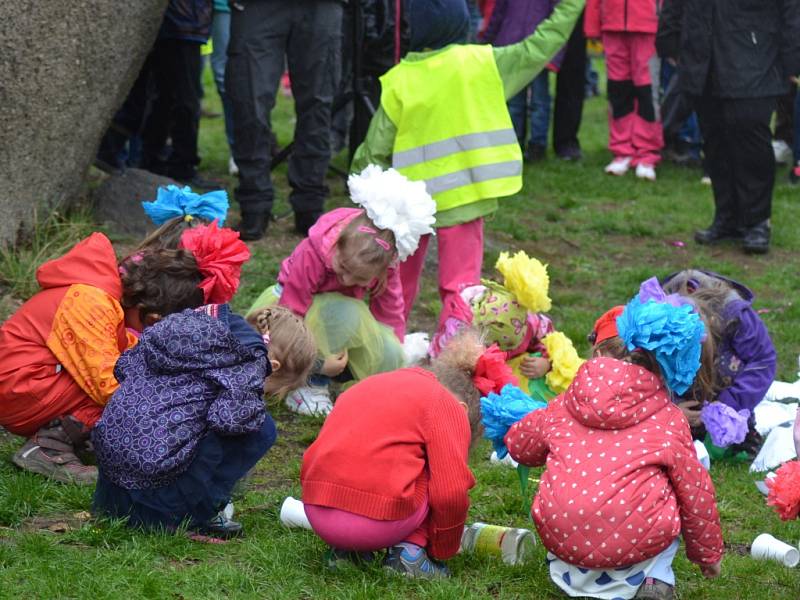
(51, 454)
(653, 589)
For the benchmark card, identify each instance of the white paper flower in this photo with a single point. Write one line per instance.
(394, 202)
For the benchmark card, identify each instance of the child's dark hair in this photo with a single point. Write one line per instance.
(290, 343)
(454, 369)
(168, 235)
(161, 282)
(367, 249)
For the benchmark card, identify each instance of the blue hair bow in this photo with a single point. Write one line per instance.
(672, 333)
(500, 411)
(172, 201)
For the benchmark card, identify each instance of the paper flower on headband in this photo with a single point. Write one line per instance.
(492, 372)
(527, 279)
(784, 490)
(172, 201)
(500, 411)
(220, 255)
(672, 333)
(564, 361)
(724, 424)
(394, 202)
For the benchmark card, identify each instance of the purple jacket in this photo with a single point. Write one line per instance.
(189, 373)
(746, 357)
(514, 20)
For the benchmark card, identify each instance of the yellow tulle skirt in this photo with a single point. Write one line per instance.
(340, 323)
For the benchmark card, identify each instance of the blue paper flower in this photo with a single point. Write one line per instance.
(500, 411)
(672, 333)
(172, 201)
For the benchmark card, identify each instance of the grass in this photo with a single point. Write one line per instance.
(600, 236)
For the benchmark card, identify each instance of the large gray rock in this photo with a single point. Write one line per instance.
(118, 201)
(65, 67)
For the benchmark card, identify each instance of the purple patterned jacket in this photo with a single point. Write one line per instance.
(189, 373)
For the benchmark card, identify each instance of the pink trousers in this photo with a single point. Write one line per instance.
(348, 531)
(460, 261)
(634, 129)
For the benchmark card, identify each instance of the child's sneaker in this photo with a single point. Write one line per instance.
(653, 589)
(312, 400)
(647, 172)
(50, 453)
(220, 526)
(619, 166)
(412, 561)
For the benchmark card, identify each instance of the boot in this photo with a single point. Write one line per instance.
(303, 221)
(719, 231)
(756, 239)
(252, 226)
(50, 452)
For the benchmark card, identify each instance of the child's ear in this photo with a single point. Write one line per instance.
(276, 365)
(151, 319)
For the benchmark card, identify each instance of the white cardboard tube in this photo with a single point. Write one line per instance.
(293, 514)
(767, 547)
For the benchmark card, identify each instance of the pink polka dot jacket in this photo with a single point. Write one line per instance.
(622, 479)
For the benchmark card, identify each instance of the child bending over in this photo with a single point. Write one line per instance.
(622, 480)
(188, 420)
(351, 253)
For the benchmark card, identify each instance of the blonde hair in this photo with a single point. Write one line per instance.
(454, 369)
(366, 249)
(290, 343)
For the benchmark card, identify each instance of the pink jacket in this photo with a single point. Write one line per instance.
(634, 16)
(622, 478)
(309, 271)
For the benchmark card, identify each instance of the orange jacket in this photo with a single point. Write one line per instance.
(58, 351)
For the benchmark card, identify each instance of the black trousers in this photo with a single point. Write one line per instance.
(570, 91)
(739, 157)
(174, 110)
(265, 36)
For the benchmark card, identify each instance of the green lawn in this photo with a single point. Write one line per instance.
(600, 236)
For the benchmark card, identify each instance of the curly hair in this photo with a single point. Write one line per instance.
(161, 282)
(290, 343)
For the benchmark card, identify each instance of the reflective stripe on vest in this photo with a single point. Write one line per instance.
(453, 128)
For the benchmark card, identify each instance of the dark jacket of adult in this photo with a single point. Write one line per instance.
(741, 48)
(188, 20)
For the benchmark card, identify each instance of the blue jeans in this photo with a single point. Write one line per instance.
(537, 110)
(220, 36)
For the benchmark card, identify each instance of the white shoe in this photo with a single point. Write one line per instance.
(311, 400)
(647, 172)
(619, 166)
(783, 153)
(233, 168)
(705, 180)
(228, 511)
(506, 460)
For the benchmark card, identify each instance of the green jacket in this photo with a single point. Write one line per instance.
(518, 65)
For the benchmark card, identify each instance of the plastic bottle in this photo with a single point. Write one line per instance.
(512, 545)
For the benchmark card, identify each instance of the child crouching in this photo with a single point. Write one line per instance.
(622, 480)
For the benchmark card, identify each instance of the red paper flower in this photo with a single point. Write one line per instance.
(492, 372)
(220, 255)
(784, 490)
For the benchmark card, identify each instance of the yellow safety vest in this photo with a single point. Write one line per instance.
(453, 128)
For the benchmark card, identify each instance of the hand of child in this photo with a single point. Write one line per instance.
(711, 571)
(534, 367)
(334, 365)
(691, 410)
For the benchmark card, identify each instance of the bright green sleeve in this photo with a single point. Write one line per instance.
(520, 63)
(376, 149)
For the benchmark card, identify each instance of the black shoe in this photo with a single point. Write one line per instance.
(756, 239)
(303, 221)
(570, 152)
(221, 527)
(252, 226)
(535, 153)
(718, 233)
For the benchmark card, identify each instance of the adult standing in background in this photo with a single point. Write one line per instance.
(220, 36)
(266, 35)
(735, 58)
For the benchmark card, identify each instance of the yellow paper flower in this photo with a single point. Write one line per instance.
(527, 279)
(564, 361)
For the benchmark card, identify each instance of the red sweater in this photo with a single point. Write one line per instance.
(622, 478)
(392, 440)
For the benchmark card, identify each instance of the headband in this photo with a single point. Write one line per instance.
(172, 202)
(220, 255)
